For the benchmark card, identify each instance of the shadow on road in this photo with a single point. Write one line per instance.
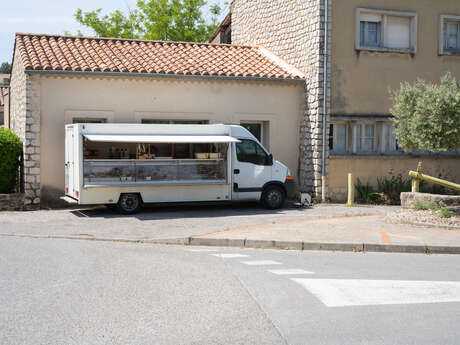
(180, 211)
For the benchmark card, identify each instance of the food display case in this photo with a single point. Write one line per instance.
(154, 171)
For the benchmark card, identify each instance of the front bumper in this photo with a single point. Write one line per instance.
(291, 187)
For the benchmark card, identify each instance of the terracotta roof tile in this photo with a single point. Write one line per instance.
(93, 54)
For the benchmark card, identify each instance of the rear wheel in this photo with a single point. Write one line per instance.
(129, 203)
(273, 197)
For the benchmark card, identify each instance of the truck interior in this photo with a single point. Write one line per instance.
(112, 163)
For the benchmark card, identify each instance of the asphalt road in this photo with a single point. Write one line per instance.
(84, 292)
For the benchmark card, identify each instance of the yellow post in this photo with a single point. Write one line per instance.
(415, 185)
(351, 190)
(418, 176)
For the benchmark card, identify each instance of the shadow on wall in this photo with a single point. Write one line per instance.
(50, 198)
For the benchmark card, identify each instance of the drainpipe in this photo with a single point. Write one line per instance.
(325, 69)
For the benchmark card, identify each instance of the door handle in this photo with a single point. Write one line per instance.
(236, 171)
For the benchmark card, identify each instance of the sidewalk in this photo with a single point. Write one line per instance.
(321, 227)
(349, 233)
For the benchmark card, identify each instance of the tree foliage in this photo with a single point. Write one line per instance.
(5, 68)
(10, 150)
(177, 20)
(427, 116)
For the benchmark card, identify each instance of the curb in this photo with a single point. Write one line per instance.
(266, 244)
(343, 247)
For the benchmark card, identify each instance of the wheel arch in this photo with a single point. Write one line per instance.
(136, 193)
(274, 183)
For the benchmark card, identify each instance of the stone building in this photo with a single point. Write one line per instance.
(4, 91)
(372, 46)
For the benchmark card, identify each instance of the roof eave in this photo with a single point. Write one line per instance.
(160, 75)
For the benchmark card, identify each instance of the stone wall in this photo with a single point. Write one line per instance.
(408, 199)
(12, 202)
(25, 122)
(294, 30)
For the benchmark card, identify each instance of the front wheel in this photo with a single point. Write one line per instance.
(129, 203)
(273, 197)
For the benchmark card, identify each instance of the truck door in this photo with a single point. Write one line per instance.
(69, 162)
(251, 169)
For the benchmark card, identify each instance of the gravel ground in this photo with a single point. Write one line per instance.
(425, 217)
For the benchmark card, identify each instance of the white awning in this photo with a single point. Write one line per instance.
(186, 139)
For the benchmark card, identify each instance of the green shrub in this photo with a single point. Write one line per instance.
(391, 188)
(366, 194)
(10, 151)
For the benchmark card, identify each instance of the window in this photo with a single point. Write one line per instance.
(88, 120)
(364, 138)
(255, 128)
(338, 137)
(386, 30)
(371, 34)
(176, 122)
(388, 139)
(450, 34)
(250, 152)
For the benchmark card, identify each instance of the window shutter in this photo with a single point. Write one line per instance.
(340, 137)
(397, 32)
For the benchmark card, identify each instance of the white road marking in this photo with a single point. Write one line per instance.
(261, 263)
(290, 271)
(202, 250)
(356, 292)
(230, 256)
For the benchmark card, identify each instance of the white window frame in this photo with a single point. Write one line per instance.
(334, 137)
(385, 13)
(447, 18)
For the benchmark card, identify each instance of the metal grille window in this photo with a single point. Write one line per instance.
(371, 34)
(364, 138)
(176, 122)
(88, 120)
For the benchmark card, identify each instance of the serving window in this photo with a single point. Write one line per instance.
(159, 163)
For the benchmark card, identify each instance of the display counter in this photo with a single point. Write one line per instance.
(107, 172)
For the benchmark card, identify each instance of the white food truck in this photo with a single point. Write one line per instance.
(130, 164)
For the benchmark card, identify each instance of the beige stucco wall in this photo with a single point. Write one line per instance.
(361, 80)
(369, 169)
(129, 99)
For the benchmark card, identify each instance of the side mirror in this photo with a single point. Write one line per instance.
(270, 159)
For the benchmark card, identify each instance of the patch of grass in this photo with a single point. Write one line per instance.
(420, 206)
(437, 209)
(444, 213)
(423, 206)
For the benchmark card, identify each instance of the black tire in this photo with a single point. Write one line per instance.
(129, 203)
(273, 197)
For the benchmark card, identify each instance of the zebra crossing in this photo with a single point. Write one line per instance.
(349, 292)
